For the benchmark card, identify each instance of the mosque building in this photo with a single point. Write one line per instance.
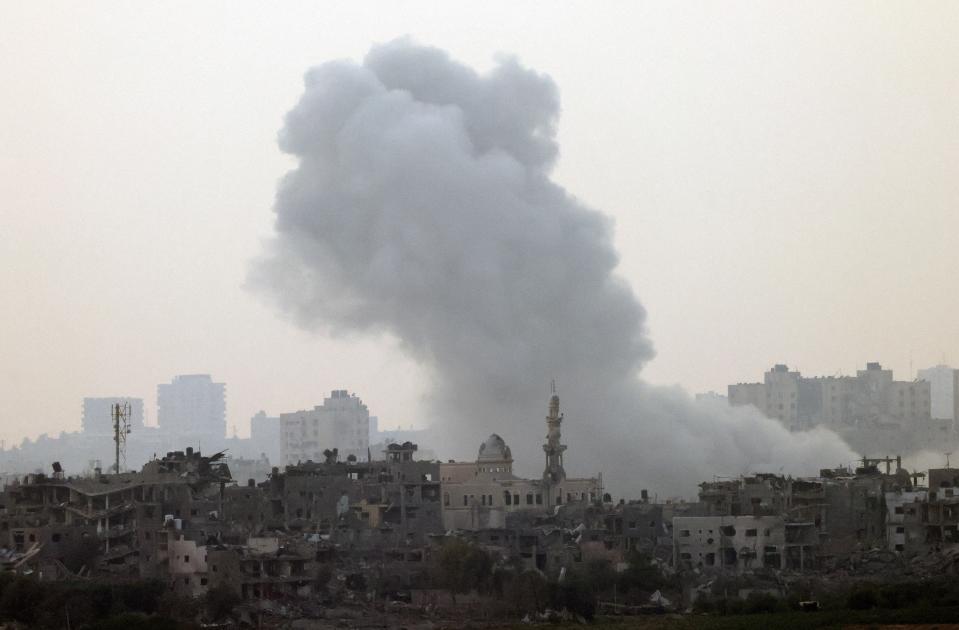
(481, 494)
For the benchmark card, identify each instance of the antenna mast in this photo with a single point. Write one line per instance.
(121, 428)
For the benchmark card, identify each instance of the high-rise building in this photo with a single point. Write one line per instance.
(97, 416)
(944, 384)
(265, 435)
(870, 399)
(342, 422)
(192, 406)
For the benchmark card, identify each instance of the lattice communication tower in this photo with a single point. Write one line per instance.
(121, 429)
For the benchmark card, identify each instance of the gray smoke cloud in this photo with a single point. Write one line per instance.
(422, 206)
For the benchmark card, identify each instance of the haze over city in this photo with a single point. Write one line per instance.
(443, 314)
(780, 188)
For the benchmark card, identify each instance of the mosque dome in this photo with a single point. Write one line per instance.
(494, 449)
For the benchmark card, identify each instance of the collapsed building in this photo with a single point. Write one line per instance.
(184, 519)
(378, 524)
(772, 521)
(115, 524)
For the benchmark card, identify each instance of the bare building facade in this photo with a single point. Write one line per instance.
(192, 407)
(872, 410)
(265, 434)
(944, 385)
(341, 422)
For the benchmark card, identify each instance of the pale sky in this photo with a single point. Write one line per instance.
(782, 177)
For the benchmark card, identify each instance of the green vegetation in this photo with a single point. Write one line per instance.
(791, 620)
(462, 567)
(82, 604)
(220, 601)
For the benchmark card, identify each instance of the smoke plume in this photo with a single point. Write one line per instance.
(422, 206)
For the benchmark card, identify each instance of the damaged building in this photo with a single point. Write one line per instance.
(817, 522)
(378, 524)
(113, 523)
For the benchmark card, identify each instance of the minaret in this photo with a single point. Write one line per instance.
(554, 472)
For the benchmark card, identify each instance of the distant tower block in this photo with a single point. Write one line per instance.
(554, 447)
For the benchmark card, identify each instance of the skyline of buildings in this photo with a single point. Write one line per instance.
(872, 397)
(872, 411)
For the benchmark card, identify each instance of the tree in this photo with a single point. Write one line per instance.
(462, 567)
(324, 573)
(526, 592)
(220, 601)
(641, 574)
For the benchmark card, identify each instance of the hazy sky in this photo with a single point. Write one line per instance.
(782, 176)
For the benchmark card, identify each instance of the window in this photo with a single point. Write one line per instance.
(516, 498)
(466, 500)
(446, 499)
(900, 530)
(684, 533)
(203, 581)
(508, 498)
(186, 559)
(751, 533)
(539, 499)
(529, 499)
(899, 509)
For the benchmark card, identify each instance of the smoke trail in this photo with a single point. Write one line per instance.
(422, 206)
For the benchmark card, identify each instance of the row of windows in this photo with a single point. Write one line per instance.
(726, 531)
(515, 498)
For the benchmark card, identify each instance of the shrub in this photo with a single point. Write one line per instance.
(862, 598)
